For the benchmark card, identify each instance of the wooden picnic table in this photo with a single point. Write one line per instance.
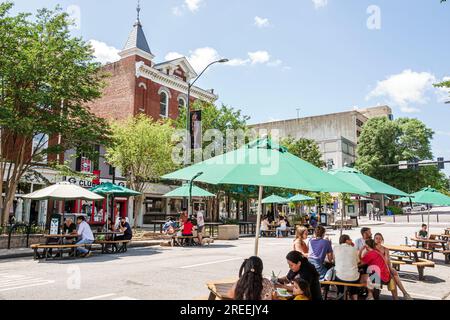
(420, 241)
(447, 231)
(445, 237)
(409, 255)
(218, 290)
(59, 237)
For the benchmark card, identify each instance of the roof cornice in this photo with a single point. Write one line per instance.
(173, 82)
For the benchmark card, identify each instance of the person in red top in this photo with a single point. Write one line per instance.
(374, 260)
(187, 228)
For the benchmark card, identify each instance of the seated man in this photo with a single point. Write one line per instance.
(69, 227)
(423, 233)
(187, 229)
(85, 236)
(170, 226)
(126, 229)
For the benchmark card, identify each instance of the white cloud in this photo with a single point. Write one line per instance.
(443, 93)
(201, 57)
(261, 22)
(259, 57)
(320, 3)
(405, 88)
(172, 56)
(104, 53)
(237, 62)
(193, 5)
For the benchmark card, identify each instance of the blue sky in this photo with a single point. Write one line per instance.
(321, 56)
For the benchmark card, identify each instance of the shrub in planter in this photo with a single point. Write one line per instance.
(394, 210)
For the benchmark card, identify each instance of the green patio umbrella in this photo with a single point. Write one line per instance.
(263, 163)
(427, 196)
(300, 198)
(365, 182)
(274, 199)
(108, 188)
(183, 192)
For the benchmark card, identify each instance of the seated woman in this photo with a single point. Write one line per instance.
(281, 227)
(379, 240)
(377, 266)
(319, 249)
(346, 264)
(299, 266)
(251, 284)
(264, 226)
(187, 228)
(301, 234)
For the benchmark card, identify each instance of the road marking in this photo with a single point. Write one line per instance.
(15, 281)
(100, 297)
(29, 285)
(125, 298)
(207, 263)
(424, 296)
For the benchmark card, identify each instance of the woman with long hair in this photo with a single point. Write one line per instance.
(379, 240)
(251, 284)
(299, 266)
(301, 234)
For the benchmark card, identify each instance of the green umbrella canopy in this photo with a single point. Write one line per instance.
(274, 199)
(263, 163)
(183, 192)
(427, 196)
(118, 191)
(300, 198)
(364, 182)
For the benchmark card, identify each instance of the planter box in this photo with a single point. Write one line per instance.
(20, 241)
(228, 232)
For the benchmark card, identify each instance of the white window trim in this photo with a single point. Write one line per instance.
(182, 97)
(168, 97)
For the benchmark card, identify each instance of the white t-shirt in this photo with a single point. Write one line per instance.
(200, 219)
(84, 230)
(264, 225)
(346, 262)
(360, 243)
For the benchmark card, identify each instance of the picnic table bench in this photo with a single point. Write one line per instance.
(218, 290)
(113, 246)
(326, 284)
(187, 241)
(346, 225)
(47, 252)
(409, 255)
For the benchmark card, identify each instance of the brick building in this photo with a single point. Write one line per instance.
(135, 84)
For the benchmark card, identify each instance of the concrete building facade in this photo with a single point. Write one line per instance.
(336, 134)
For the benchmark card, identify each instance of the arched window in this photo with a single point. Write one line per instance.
(164, 104)
(181, 103)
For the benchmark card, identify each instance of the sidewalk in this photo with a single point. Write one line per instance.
(27, 252)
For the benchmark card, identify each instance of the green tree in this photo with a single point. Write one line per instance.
(46, 79)
(142, 149)
(385, 142)
(223, 119)
(444, 84)
(305, 149)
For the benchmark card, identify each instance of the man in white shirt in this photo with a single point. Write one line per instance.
(85, 236)
(366, 234)
(200, 226)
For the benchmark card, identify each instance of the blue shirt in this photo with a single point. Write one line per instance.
(319, 248)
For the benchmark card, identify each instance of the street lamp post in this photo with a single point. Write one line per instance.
(190, 193)
(188, 120)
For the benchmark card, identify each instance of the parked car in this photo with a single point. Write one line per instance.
(416, 207)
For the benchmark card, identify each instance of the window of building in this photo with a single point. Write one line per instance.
(181, 103)
(164, 104)
(359, 123)
(40, 145)
(345, 147)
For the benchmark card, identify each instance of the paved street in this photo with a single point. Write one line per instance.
(180, 273)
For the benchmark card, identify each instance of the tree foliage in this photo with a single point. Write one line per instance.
(46, 79)
(444, 84)
(305, 149)
(142, 149)
(385, 142)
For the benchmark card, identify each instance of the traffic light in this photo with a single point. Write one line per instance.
(441, 165)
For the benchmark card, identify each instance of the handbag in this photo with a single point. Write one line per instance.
(391, 284)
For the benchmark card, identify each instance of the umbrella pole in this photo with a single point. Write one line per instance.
(429, 210)
(342, 216)
(258, 219)
(107, 212)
